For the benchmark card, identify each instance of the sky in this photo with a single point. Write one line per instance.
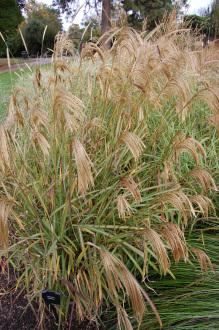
(194, 7)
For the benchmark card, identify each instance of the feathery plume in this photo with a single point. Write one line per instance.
(63, 46)
(38, 117)
(167, 175)
(90, 49)
(4, 148)
(203, 259)
(181, 202)
(123, 319)
(40, 141)
(158, 248)
(123, 206)
(182, 143)
(176, 240)
(118, 276)
(5, 208)
(204, 178)
(204, 204)
(214, 120)
(83, 164)
(65, 100)
(132, 187)
(133, 143)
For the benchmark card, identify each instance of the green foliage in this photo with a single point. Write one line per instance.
(41, 17)
(75, 34)
(215, 17)
(89, 32)
(208, 23)
(201, 24)
(154, 10)
(184, 306)
(190, 300)
(10, 18)
(141, 9)
(94, 30)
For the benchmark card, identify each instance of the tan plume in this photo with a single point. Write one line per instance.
(4, 148)
(133, 143)
(204, 179)
(83, 164)
(181, 202)
(123, 206)
(203, 259)
(40, 141)
(132, 187)
(5, 208)
(182, 143)
(159, 249)
(176, 240)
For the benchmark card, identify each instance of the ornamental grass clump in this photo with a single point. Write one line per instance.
(105, 170)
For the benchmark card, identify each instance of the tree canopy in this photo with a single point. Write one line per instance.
(10, 18)
(137, 9)
(40, 18)
(201, 24)
(208, 22)
(215, 17)
(154, 10)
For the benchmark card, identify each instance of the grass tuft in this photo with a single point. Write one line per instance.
(109, 165)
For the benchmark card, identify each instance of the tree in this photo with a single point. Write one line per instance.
(106, 15)
(215, 17)
(10, 18)
(200, 24)
(89, 32)
(180, 7)
(153, 10)
(208, 22)
(75, 34)
(40, 18)
(93, 28)
(65, 5)
(137, 10)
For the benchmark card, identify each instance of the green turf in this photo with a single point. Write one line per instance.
(7, 81)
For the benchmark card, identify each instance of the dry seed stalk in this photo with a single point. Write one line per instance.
(123, 206)
(83, 164)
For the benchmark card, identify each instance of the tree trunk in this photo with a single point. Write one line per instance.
(106, 15)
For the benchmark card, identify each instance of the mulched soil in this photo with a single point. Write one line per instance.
(15, 314)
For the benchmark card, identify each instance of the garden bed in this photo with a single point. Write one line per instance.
(16, 312)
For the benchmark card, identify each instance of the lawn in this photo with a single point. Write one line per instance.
(7, 81)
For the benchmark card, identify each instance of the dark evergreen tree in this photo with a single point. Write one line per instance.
(153, 10)
(10, 18)
(200, 24)
(207, 23)
(215, 17)
(40, 17)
